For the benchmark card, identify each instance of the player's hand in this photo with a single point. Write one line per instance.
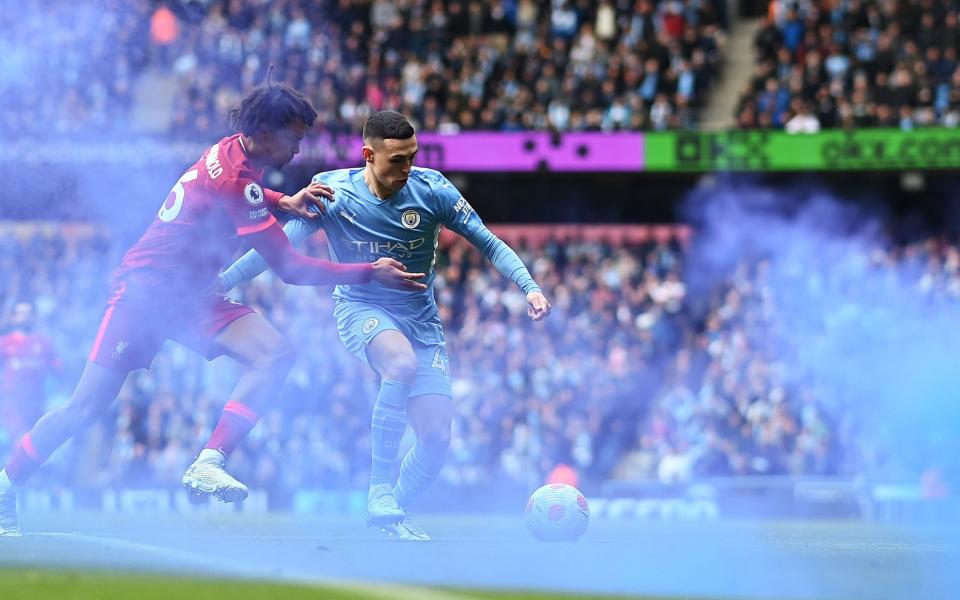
(393, 273)
(538, 307)
(299, 203)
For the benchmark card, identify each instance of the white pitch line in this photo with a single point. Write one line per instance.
(391, 590)
(198, 559)
(860, 546)
(205, 561)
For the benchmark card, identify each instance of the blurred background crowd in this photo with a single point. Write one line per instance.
(853, 63)
(452, 65)
(634, 376)
(498, 65)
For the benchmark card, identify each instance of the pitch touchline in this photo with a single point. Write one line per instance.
(895, 546)
(204, 561)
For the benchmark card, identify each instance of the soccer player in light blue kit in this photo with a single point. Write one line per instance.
(392, 209)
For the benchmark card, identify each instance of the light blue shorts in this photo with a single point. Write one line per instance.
(358, 323)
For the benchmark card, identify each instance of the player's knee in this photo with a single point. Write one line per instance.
(436, 436)
(84, 410)
(401, 368)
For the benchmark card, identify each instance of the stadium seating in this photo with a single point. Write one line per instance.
(451, 65)
(499, 65)
(854, 64)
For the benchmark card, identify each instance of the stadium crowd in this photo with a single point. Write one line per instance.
(497, 65)
(634, 376)
(450, 64)
(854, 63)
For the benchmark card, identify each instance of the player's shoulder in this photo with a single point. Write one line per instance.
(226, 162)
(335, 177)
(430, 182)
(427, 176)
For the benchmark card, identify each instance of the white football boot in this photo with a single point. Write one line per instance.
(207, 477)
(415, 532)
(382, 507)
(8, 512)
(406, 530)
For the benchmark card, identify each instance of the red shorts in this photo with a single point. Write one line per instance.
(131, 333)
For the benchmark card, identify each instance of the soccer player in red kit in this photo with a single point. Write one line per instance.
(27, 359)
(161, 291)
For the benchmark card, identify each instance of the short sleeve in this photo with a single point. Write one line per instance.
(245, 201)
(273, 198)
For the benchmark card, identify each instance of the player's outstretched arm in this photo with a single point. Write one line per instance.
(505, 260)
(298, 269)
(460, 217)
(252, 264)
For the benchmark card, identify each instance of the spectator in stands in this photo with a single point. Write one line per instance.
(453, 65)
(802, 121)
(881, 64)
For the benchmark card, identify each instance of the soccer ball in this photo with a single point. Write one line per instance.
(557, 512)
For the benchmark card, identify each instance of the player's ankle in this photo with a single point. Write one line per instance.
(379, 489)
(398, 496)
(212, 456)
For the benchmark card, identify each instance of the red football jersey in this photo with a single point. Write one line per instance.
(198, 228)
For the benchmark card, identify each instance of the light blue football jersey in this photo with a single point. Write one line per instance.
(406, 226)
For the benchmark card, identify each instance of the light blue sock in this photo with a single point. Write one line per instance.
(386, 429)
(419, 469)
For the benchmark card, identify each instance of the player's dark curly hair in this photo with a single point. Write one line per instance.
(271, 107)
(387, 125)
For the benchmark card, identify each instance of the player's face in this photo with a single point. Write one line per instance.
(390, 161)
(282, 145)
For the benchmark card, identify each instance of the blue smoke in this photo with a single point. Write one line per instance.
(869, 328)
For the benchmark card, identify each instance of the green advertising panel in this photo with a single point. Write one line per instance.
(834, 150)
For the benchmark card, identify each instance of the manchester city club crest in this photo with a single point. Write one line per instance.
(253, 193)
(410, 219)
(370, 324)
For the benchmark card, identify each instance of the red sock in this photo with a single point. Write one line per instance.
(235, 423)
(24, 462)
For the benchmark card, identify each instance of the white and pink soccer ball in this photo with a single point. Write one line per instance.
(557, 512)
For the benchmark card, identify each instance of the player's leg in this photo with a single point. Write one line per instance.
(124, 342)
(431, 416)
(268, 358)
(391, 356)
(430, 411)
(97, 389)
